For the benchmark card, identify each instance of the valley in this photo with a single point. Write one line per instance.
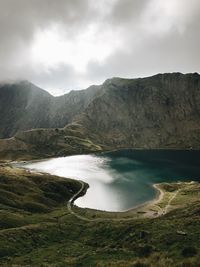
(161, 111)
(41, 219)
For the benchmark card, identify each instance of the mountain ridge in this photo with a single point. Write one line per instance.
(24, 106)
(161, 111)
(157, 111)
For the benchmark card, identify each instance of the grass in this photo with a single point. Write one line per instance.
(26, 196)
(45, 143)
(51, 236)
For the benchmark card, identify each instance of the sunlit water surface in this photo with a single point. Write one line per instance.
(123, 179)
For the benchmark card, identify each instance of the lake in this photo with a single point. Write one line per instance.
(123, 179)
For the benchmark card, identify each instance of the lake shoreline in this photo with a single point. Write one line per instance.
(158, 196)
(157, 190)
(140, 211)
(149, 209)
(147, 204)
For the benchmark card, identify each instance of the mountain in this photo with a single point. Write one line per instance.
(162, 111)
(24, 106)
(38, 221)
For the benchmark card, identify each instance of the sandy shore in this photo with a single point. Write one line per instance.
(147, 208)
(159, 195)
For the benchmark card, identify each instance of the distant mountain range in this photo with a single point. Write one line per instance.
(162, 111)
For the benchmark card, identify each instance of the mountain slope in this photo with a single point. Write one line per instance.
(154, 112)
(23, 106)
(162, 111)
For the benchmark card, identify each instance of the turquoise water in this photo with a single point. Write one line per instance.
(122, 180)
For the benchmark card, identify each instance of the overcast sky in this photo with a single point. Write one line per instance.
(71, 44)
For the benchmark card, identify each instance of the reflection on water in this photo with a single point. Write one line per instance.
(91, 169)
(123, 179)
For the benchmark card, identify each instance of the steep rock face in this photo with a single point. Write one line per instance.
(154, 112)
(24, 106)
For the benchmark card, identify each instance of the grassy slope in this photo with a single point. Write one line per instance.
(35, 234)
(45, 143)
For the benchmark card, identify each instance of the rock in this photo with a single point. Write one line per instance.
(181, 233)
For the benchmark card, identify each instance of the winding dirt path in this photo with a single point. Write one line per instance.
(166, 208)
(71, 202)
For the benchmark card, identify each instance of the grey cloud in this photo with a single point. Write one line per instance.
(20, 19)
(145, 50)
(157, 52)
(57, 81)
(171, 52)
(127, 10)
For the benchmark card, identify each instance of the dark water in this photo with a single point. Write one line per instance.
(123, 179)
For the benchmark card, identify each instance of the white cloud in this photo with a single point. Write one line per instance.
(50, 48)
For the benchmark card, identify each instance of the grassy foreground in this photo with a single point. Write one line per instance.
(37, 229)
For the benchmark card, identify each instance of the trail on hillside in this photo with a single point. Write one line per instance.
(166, 208)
